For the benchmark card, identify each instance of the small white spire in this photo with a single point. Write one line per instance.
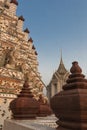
(61, 61)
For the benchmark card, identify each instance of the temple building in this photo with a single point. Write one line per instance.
(18, 58)
(59, 78)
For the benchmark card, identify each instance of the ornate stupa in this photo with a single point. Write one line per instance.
(69, 105)
(18, 57)
(44, 106)
(25, 106)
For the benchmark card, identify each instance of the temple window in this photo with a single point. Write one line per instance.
(55, 88)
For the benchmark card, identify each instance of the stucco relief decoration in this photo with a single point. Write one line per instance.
(3, 24)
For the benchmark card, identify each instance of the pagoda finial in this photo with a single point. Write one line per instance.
(75, 68)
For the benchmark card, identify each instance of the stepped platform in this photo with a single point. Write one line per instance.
(40, 123)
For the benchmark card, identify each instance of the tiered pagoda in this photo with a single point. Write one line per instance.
(18, 58)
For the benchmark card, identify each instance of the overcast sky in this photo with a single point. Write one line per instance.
(56, 25)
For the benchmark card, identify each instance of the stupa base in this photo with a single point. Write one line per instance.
(25, 125)
(72, 126)
(24, 117)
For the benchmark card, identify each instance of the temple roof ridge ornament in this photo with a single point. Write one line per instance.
(27, 30)
(30, 40)
(21, 18)
(14, 1)
(33, 47)
(36, 53)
